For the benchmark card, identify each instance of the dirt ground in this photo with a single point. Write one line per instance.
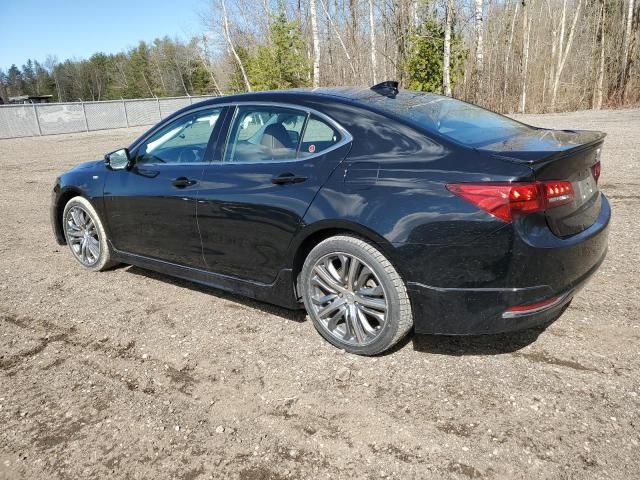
(131, 374)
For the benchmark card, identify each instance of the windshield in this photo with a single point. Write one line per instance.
(456, 120)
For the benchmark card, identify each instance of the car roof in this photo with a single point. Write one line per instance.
(355, 95)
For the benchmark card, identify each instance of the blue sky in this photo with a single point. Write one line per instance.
(78, 28)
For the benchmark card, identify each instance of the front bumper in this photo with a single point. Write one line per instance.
(539, 266)
(55, 214)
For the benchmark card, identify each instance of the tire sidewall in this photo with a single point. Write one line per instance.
(104, 261)
(335, 245)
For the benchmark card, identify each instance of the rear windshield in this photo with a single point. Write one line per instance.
(459, 121)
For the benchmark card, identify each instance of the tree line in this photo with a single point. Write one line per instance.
(507, 55)
(164, 67)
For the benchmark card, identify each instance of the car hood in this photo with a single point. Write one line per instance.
(88, 165)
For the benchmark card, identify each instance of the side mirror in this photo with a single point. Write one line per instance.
(118, 160)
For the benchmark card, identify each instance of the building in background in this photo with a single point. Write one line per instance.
(27, 99)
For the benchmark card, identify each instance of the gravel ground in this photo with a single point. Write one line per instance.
(131, 374)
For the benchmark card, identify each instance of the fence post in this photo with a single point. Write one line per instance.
(35, 113)
(190, 99)
(86, 122)
(159, 110)
(124, 109)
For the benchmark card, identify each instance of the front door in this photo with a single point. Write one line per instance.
(252, 200)
(151, 209)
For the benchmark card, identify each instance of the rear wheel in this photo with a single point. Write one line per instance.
(354, 296)
(85, 235)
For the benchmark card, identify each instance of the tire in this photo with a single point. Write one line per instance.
(91, 249)
(360, 306)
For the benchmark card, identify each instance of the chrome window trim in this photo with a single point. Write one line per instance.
(346, 137)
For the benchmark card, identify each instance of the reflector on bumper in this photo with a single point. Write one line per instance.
(525, 310)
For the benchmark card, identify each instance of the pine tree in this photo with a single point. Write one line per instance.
(14, 82)
(424, 63)
(29, 78)
(283, 62)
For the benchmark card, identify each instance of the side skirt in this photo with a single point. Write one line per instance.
(280, 292)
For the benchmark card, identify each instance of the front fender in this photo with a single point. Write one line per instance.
(86, 180)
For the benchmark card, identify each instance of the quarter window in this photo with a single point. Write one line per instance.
(318, 136)
(184, 140)
(264, 134)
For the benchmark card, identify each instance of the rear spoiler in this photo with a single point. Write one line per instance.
(563, 143)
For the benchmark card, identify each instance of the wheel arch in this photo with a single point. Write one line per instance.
(312, 235)
(58, 209)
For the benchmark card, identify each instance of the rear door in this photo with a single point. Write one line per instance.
(151, 209)
(253, 198)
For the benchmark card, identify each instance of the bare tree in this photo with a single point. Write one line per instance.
(508, 54)
(626, 59)
(372, 41)
(597, 104)
(206, 59)
(446, 61)
(554, 44)
(563, 50)
(479, 66)
(316, 42)
(227, 34)
(525, 54)
(51, 63)
(337, 32)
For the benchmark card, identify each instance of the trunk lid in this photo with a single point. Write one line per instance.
(560, 155)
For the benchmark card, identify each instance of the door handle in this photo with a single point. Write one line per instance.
(285, 178)
(182, 182)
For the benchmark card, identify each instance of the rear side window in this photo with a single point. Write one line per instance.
(318, 136)
(264, 134)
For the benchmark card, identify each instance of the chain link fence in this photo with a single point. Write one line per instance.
(53, 118)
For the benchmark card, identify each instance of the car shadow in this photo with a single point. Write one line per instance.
(295, 315)
(434, 344)
(496, 344)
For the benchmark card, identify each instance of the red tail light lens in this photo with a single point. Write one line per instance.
(557, 192)
(595, 170)
(507, 200)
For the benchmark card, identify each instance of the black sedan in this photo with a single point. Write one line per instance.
(380, 210)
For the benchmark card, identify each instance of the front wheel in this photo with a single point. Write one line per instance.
(85, 235)
(354, 296)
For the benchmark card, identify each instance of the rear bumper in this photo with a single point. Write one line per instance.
(516, 266)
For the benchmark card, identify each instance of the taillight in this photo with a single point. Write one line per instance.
(595, 170)
(507, 200)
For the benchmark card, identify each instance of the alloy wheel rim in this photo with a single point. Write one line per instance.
(82, 236)
(348, 299)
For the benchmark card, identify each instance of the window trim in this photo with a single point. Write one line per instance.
(344, 133)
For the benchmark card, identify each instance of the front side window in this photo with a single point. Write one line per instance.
(184, 140)
(264, 134)
(318, 136)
